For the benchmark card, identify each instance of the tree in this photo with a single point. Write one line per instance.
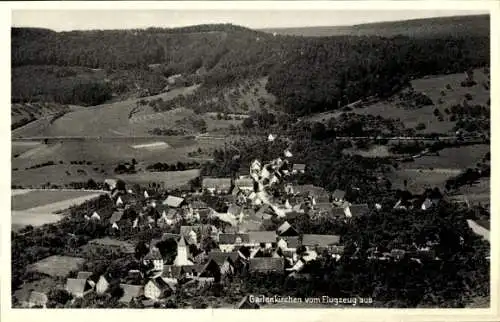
(58, 296)
(141, 250)
(248, 123)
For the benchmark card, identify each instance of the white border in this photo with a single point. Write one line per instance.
(8, 314)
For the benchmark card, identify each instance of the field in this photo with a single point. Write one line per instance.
(39, 198)
(432, 87)
(433, 171)
(171, 179)
(57, 265)
(374, 151)
(40, 207)
(451, 158)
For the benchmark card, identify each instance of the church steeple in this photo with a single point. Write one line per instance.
(182, 253)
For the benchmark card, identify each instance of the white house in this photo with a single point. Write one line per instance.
(157, 288)
(102, 285)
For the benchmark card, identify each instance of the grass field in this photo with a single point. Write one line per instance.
(432, 87)
(451, 158)
(171, 179)
(59, 266)
(39, 198)
(375, 151)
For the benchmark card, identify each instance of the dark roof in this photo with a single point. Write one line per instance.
(198, 204)
(244, 182)
(84, 275)
(160, 283)
(115, 217)
(154, 254)
(231, 238)
(292, 241)
(337, 212)
(217, 183)
(319, 240)
(267, 264)
(262, 236)
(172, 271)
(299, 166)
(338, 194)
(220, 257)
(483, 223)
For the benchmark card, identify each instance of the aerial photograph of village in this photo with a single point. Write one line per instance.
(199, 160)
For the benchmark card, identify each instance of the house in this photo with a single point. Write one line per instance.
(216, 185)
(266, 264)
(110, 184)
(116, 217)
(154, 258)
(95, 216)
(227, 241)
(338, 195)
(227, 261)
(102, 284)
(198, 205)
(173, 201)
(480, 227)
(157, 288)
(356, 210)
(78, 287)
(287, 230)
(182, 253)
(245, 303)
(84, 275)
(298, 168)
(209, 272)
(256, 238)
(311, 241)
(244, 184)
(32, 298)
(131, 292)
(119, 202)
(428, 203)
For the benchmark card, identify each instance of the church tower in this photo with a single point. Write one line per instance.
(182, 253)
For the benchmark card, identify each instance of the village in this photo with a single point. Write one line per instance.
(212, 246)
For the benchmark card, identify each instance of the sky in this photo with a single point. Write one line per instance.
(65, 20)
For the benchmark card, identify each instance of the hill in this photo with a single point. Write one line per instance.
(478, 25)
(304, 74)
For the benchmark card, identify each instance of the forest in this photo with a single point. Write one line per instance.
(306, 74)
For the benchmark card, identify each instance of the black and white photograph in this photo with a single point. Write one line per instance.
(250, 159)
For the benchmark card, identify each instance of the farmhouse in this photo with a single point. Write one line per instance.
(158, 288)
(103, 284)
(216, 185)
(256, 238)
(228, 241)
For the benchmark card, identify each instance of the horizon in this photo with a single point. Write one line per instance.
(81, 20)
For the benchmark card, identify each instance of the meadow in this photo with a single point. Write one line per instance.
(431, 86)
(39, 198)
